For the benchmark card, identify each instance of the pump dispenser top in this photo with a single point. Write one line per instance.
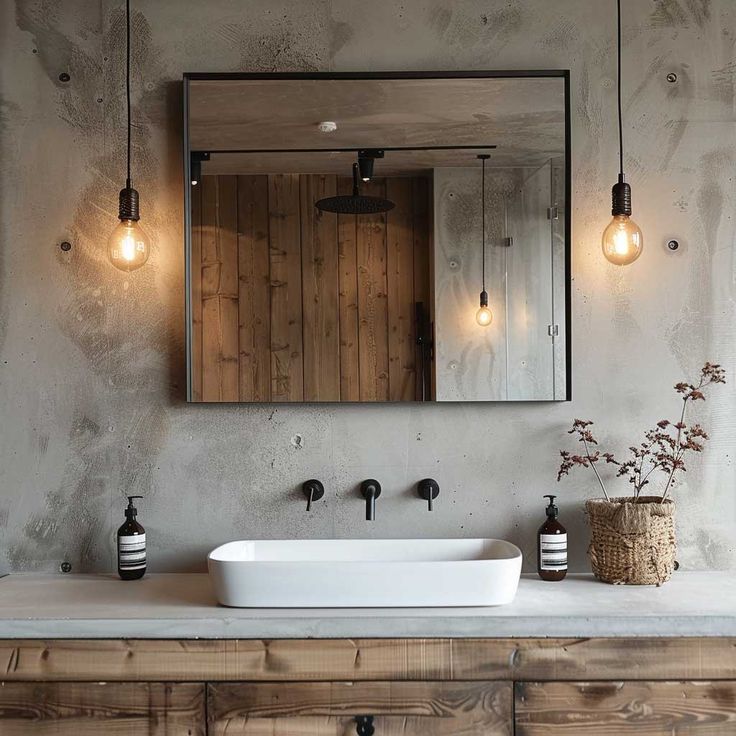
(551, 509)
(131, 511)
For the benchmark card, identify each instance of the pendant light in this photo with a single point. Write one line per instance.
(483, 316)
(128, 245)
(622, 239)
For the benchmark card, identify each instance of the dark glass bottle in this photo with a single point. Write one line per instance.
(131, 545)
(552, 545)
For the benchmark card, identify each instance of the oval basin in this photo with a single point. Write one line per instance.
(357, 573)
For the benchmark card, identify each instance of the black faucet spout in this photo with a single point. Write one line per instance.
(370, 490)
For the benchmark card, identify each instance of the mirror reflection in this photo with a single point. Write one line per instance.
(377, 239)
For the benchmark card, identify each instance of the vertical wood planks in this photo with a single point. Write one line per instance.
(400, 280)
(219, 283)
(348, 300)
(287, 369)
(195, 294)
(320, 291)
(420, 197)
(290, 304)
(254, 303)
(372, 300)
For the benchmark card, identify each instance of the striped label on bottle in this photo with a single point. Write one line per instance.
(553, 551)
(132, 552)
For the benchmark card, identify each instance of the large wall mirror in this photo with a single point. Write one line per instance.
(341, 228)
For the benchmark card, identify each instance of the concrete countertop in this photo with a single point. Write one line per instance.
(182, 606)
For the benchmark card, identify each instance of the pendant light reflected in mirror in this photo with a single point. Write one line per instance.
(483, 316)
(128, 245)
(622, 241)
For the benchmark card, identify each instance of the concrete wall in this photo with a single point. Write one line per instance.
(92, 360)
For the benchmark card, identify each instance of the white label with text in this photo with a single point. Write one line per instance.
(553, 551)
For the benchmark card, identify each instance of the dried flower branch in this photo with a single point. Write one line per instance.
(580, 428)
(664, 446)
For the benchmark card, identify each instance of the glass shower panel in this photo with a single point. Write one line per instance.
(530, 326)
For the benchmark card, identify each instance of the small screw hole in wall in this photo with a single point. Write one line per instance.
(673, 245)
(65, 246)
(65, 567)
(672, 77)
(64, 77)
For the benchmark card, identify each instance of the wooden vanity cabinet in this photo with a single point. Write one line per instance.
(410, 687)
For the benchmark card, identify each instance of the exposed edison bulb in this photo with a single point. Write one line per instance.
(622, 241)
(484, 316)
(128, 246)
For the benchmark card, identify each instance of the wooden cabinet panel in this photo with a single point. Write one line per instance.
(94, 708)
(288, 660)
(621, 708)
(330, 708)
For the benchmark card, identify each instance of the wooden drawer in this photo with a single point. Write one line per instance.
(94, 708)
(621, 708)
(330, 708)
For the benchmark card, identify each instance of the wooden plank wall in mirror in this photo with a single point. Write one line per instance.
(340, 229)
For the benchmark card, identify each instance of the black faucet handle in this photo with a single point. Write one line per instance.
(313, 490)
(428, 489)
(370, 490)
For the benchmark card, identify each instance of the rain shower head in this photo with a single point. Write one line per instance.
(355, 203)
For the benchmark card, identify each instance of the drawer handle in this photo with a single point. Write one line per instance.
(364, 725)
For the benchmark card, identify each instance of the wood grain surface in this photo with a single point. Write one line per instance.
(622, 708)
(370, 659)
(329, 709)
(94, 708)
(293, 304)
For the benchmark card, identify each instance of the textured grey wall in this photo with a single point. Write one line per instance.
(92, 360)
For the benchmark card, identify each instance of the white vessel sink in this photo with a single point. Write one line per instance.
(347, 573)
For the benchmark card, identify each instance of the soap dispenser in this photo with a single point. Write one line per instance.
(131, 545)
(552, 545)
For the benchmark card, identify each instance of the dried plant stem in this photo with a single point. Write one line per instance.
(676, 453)
(592, 465)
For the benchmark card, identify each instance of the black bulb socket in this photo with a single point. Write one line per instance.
(365, 165)
(621, 198)
(484, 298)
(196, 171)
(366, 159)
(128, 209)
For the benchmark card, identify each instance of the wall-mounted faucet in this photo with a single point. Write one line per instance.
(428, 489)
(370, 490)
(313, 490)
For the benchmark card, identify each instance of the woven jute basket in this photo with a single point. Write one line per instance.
(632, 543)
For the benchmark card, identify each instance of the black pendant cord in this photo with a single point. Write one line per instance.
(621, 191)
(620, 115)
(483, 217)
(127, 82)
(129, 199)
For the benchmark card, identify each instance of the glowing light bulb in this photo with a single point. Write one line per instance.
(484, 316)
(622, 240)
(128, 246)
